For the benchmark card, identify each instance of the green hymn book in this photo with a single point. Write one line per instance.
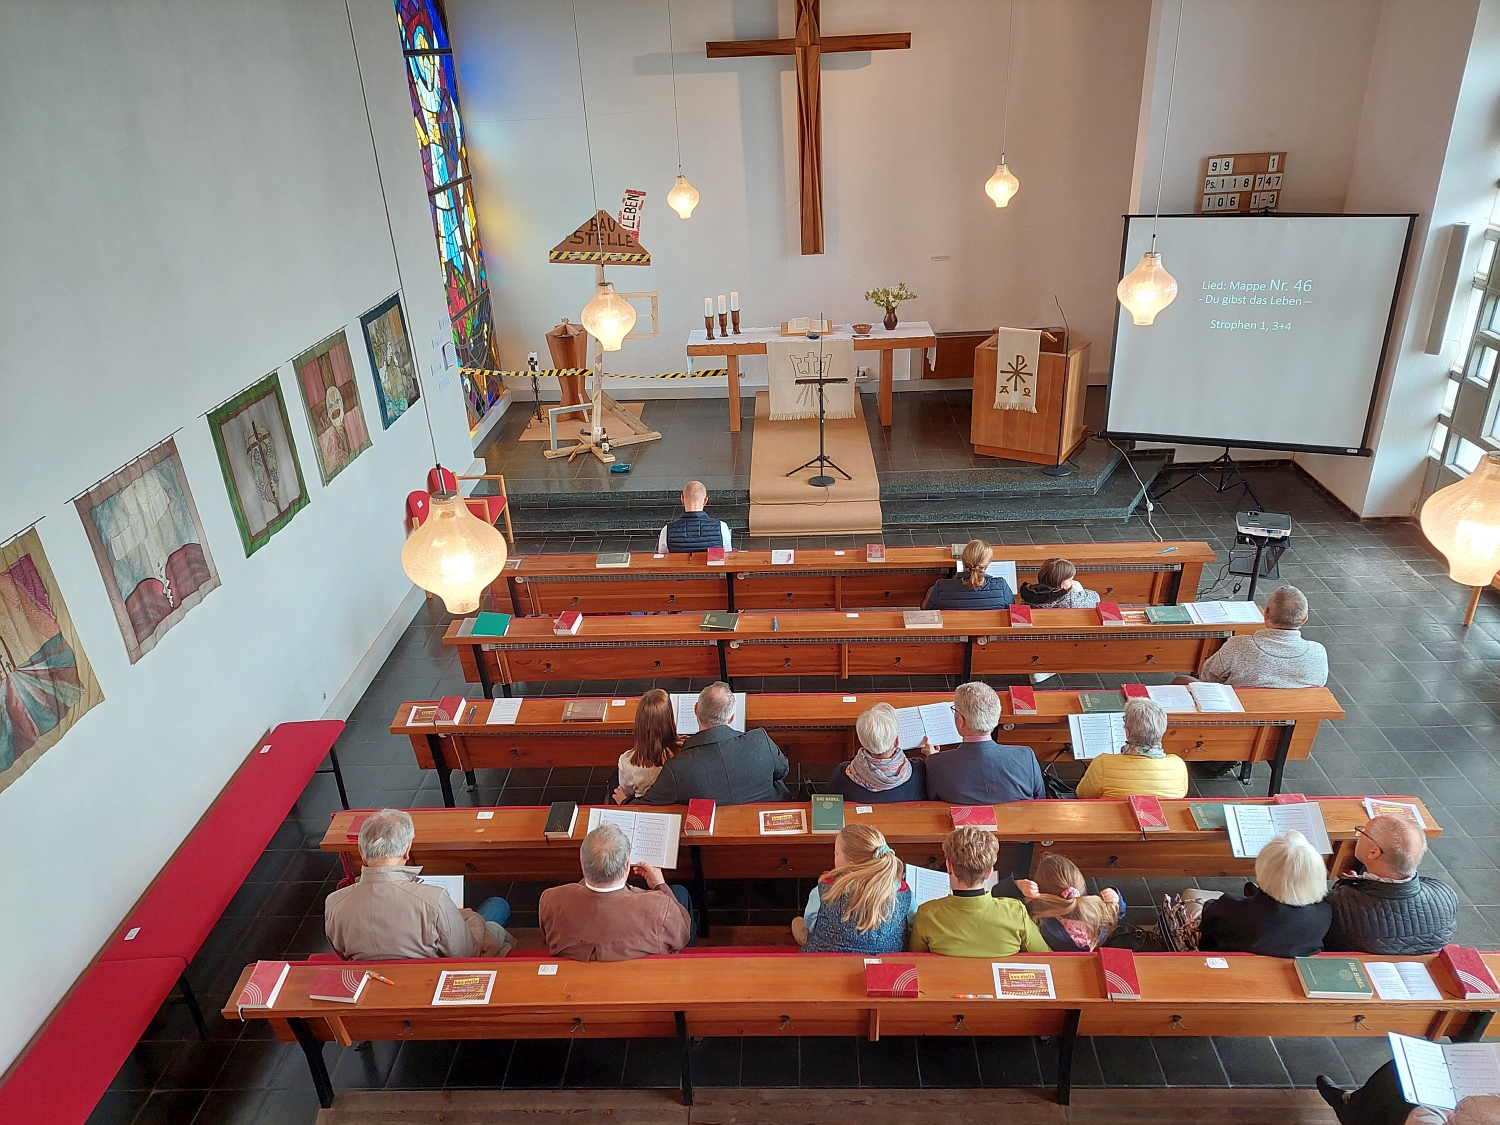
(1105, 701)
(491, 625)
(1168, 615)
(827, 813)
(718, 621)
(1208, 817)
(1333, 978)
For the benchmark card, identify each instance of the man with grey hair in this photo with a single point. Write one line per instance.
(981, 771)
(1277, 656)
(390, 914)
(602, 918)
(1385, 907)
(732, 767)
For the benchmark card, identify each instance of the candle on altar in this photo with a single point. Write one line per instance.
(708, 306)
(734, 302)
(723, 305)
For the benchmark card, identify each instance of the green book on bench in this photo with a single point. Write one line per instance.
(1168, 615)
(827, 814)
(1101, 701)
(491, 625)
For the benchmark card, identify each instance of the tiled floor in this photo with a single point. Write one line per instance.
(1423, 707)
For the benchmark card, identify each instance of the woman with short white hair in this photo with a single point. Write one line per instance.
(879, 771)
(1142, 767)
(1282, 913)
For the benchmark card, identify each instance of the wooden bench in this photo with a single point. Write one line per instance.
(718, 993)
(813, 643)
(546, 585)
(1278, 725)
(1100, 836)
(71, 1061)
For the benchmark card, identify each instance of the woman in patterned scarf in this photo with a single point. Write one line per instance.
(880, 772)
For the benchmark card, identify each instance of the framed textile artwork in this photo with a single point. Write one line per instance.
(326, 376)
(46, 684)
(259, 461)
(395, 369)
(149, 544)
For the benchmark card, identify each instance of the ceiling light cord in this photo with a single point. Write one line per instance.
(1166, 132)
(672, 59)
(588, 143)
(1010, 36)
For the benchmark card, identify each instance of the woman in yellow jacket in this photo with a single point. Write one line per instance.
(1141, 767)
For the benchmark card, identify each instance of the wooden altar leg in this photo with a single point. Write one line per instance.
(734, 392)
(887, 369)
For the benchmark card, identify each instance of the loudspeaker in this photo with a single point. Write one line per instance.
(1442, 309)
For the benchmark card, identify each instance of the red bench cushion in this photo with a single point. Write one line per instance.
(195, 887)
(67, 1070)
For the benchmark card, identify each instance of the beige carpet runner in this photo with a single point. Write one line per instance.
(783, 505)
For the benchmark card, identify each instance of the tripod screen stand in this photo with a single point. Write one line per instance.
(822, 480)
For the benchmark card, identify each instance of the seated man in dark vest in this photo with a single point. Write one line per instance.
(695, 529)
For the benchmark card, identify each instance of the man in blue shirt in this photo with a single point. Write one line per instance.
(980, 771)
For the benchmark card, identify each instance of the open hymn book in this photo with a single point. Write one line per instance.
(934, 721)
(653, 836)
(1095, 733)
(1442, 1074)
(687, 718)
(1252, 827)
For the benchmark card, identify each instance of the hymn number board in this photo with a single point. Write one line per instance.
(1241, 182)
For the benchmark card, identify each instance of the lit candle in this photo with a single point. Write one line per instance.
(723, 307)
(708, 306)
(734, 302)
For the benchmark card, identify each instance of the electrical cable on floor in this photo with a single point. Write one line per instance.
(1145, 492)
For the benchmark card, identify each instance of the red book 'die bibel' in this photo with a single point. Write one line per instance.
(699, 820)
(1118, 967)
(890, 980)
(1022, 700)
(974, 816)
(1149, 816)
(1470, 973)
(1020, 616)
(1109, 614)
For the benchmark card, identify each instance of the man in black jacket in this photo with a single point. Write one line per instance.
(1390, 909)
(719, 762)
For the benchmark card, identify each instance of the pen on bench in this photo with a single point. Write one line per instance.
(775, 625)
(1166, 550)
(972, 996)
(377, 976)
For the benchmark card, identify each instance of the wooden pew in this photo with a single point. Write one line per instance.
(1278, 725)
(1100, 836)
(692, 994)
(546, 585)
(868, 643)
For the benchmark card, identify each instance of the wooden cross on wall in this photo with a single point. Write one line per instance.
(809, 46)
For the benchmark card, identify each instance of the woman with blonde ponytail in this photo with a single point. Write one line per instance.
(1070, 919)
(975, 588)
(861, 906)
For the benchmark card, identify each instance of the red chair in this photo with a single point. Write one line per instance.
(487, 508)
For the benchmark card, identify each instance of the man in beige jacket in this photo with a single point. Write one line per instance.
(390, 914)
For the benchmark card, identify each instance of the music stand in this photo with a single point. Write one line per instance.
(822, 480)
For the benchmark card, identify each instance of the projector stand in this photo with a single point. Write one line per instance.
(1227, 470)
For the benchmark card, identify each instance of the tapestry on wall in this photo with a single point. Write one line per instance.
(326, 376)
(149, 544)
(395, 370)
(259, 461)
(46, 684)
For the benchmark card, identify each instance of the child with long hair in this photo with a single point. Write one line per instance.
(1070, 919)
(655, 742)
(861, 906)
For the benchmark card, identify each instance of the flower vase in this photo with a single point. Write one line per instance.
(890, 320)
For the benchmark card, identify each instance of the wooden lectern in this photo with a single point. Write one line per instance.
(1049, 436)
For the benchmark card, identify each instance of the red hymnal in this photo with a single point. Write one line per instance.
(1022, 700)
(699, 820)
(264, 985)
(450, 709)
(1148, 813)
(890, 980)
(356, 824)
(1470, 973)
(1118, 967)
(875, 552)
(342, 986)
(567, 624)
(1020, 616)
(1290, 799)
(1136, 691)
(716, 556)
(1109, 614)
(974, 816)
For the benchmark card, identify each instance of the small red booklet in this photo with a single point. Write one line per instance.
(875, 552)
(1118, 967)
(450, 709)
(1022, 700)
(342, 986)
(1136, 691)
(1109, 614)
(699, 820)
(567, 624)
(1470, 973)
(1289, 799)
(716, 556)
(890, 980)
(974, 816)
(1020, 616)
(356, 824)
(264, 986)
(1149, 816)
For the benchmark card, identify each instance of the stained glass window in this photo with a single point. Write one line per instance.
(445, 162)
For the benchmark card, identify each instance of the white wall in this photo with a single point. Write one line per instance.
(909, 139)
(189, 201)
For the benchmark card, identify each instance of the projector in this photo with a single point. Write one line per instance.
(1263, 525)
